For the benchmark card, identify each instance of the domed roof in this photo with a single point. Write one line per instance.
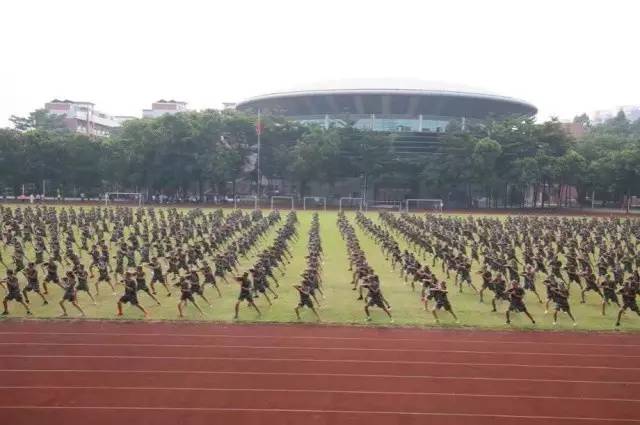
(444, 97)
(384, 84)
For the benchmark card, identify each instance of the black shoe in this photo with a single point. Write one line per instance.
(5, 313)
(360, 298)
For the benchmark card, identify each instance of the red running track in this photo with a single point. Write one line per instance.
(76, 373)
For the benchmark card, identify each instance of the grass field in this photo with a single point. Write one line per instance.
(340, 305)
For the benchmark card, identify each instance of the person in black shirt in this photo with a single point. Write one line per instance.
(186, 294)
(499, 289)
(70, 294)
(141, 283)
(305, 300)
(83, 282)
(245, 293)
(13, 292)
(130, 294)
(31, 273)
(375, 297)
(608, 286)
(628, 292)
(439, 292)
(561, 298)
(516, 302)
(157, 276)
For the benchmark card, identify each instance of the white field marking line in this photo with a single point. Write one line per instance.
(297, 359)
(426, 339)
(315, 411)
(301, 375)
(287, 347)
(302, 390)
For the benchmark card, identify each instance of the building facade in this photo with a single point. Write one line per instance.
(82, 117)
(164, 107)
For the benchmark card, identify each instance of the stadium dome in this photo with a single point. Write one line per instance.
(408, 100)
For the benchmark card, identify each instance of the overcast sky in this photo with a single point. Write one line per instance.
(564, 56)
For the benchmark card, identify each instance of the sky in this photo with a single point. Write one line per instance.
(564, 56)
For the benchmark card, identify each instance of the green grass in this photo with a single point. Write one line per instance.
(340, 305)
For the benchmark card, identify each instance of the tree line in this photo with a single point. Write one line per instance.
(211, 152)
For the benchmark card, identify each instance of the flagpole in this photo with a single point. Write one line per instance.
(259, 130)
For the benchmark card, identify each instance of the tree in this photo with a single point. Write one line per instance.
(40, 119)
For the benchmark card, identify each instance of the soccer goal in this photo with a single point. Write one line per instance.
(123, 197)
(351, 203)
(424, 204)
(247, 201)
(314, 202)
(283, 198)
(384, 205)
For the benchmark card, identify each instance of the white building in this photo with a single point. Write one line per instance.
(82, 117)
(164, 107)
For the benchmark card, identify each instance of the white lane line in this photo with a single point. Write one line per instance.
(318, 375)
(317, 411)
(286, 347)
(302, 360)
(380, 338)
(313, 391)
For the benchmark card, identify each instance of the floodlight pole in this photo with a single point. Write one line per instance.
(259, 131)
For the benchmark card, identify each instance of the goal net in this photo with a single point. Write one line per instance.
(424, 205)
(282, 202)
(245, 201)
(314, 203)
(123, 198)
(384, 205)
(351, 203)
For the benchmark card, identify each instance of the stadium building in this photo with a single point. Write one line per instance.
(417, 112)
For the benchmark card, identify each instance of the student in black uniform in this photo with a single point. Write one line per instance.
(499, 290)
(516, 302)
(186, 294)
(158, 276)
(52, 275)
(130, 296)
(628, 292)
(196, 287)
(439, 292)
(141, 283)
(375, 297)
(103, 276)
(245, 293)
(561, 298)
(13, 292)
(31, 273)
(83, 283)
(305, 300)
(70, 295)
(209, 277)
(608, 286)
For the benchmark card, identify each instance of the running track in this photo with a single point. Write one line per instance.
(102, 373)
